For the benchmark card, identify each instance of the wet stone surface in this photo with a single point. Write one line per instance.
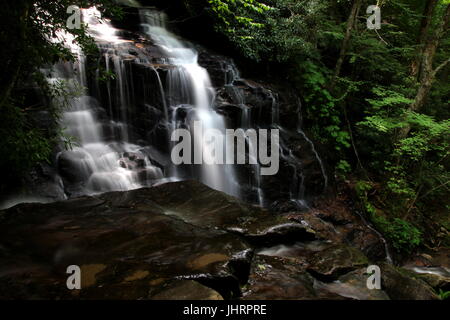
(183, 240)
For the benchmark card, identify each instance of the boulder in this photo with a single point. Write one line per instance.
(400, 284)
(353, 285)
(334, 261)
(186, 290)
(275, 278)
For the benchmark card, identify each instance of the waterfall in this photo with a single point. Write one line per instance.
(100, 164)
(189, 86)
(123, 122)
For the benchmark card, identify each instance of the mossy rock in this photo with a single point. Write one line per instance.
(337, 260)
(402, 284)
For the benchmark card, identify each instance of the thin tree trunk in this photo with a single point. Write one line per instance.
(416, 67)
(428, 74)
(345, 43)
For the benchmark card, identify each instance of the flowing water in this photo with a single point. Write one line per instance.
(190, 85)
(176, 93)
(103, 164)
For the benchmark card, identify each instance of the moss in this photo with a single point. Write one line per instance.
(403, 235)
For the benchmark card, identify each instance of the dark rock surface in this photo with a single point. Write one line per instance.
(334, 220)
(400, 284)
(182, 240)
(125, 243)
(335, 261)
(353, 286)
(273, 278)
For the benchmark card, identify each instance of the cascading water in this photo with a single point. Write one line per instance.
(100, 164)
(123, 121)
(232, 75)
(189, 87)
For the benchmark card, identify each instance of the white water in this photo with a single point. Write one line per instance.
(438, 271)
(233, 75)
(189, 83)
(103, 164)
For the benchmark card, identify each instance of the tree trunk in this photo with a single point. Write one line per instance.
(428, 74)
(345, 43)
(416, 67)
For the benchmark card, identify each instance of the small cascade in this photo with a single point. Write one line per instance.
(163, 95)
(380, 236)
(297, 181)
(319, 160)
(246, 122)
(97, 164)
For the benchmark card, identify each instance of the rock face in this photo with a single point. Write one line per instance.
(250, 104)
(180, 240)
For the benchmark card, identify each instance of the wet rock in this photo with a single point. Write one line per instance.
(285, 206)
(329, 264)
(302, 251)
(231, 111)
(353, 285)
(273, 278)
(72, 165)
(240, 265)
(438, 257)
(186, 290)
(132, 161)
(153, 243)
(368, 242)
(196, 204)
(127, 241)
(323, 229)
(333, 220)
(281, 233)
(436, 277)
(400, 284)
(126, 244)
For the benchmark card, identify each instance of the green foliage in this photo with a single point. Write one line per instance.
(28, 45)
(368, 106)
(22, 145)
(342, 168)
(444, 295)
(240, 20)
(322, 107)
(362, 188)
(26, 143)
(404, 236)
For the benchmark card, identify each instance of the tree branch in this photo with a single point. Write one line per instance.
(442, 65)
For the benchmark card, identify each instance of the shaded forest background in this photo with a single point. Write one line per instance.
(376, 102)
